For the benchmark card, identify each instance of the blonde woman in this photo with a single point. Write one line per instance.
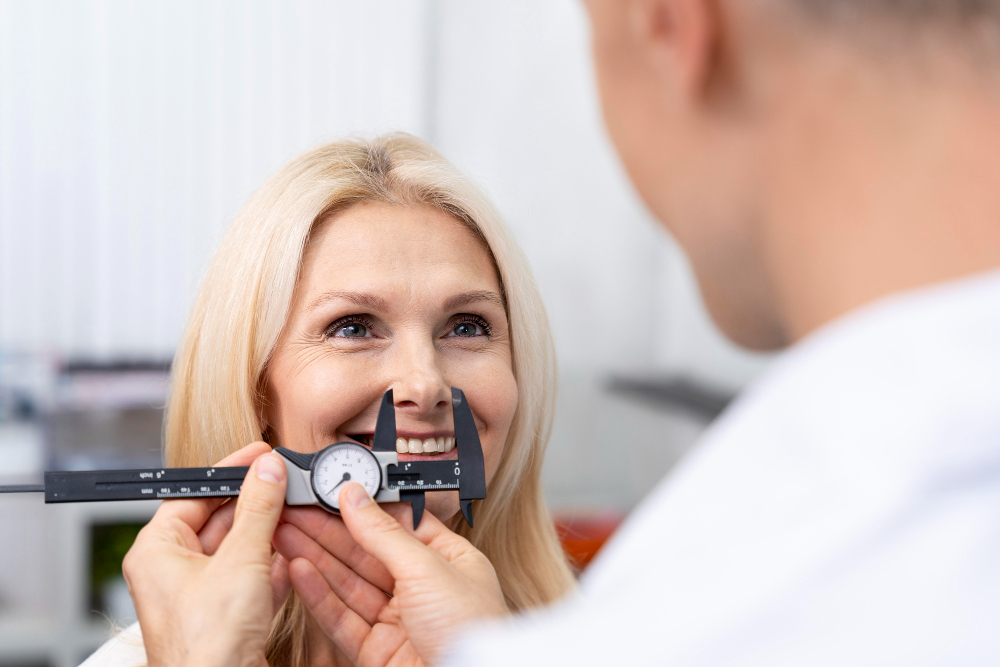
(363, 266)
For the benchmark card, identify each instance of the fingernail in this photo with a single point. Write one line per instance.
(270, 469)
(357, 496)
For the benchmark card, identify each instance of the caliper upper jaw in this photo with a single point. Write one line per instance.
(472, 480)
(384, 446)
(384, 438)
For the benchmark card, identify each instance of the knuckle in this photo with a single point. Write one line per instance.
(356, 556)
(258, 504)
(383, 523)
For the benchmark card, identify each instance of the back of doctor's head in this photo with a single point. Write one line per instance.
(738, 120)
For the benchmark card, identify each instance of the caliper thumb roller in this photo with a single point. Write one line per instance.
(313, 479)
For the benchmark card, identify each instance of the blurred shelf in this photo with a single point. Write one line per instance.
(674, 393)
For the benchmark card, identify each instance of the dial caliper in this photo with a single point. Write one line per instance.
(313, 479)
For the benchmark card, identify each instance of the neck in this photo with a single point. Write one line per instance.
(885, 186)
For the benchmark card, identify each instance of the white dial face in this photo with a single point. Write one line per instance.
(341, 463)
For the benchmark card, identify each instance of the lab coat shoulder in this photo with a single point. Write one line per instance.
(845, 509)
(124, 649)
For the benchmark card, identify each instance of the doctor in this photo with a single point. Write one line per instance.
(832, 169)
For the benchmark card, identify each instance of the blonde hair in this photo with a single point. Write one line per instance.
(215, 404)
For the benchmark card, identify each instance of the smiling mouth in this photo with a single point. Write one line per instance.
(416, 446)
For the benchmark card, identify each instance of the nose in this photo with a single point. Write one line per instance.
(419, 387)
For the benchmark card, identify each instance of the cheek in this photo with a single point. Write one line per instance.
(494, 400)
(308, 401)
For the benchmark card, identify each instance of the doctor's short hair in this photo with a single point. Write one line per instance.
(915, 13)
(904, 31)
(215, 402)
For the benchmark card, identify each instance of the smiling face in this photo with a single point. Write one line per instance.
(395, 297)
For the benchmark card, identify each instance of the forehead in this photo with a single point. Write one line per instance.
(376, 246)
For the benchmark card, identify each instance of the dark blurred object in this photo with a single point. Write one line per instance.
(108, 545)
(103, 439)
(583, 534)
(676, 393)
(106, 415)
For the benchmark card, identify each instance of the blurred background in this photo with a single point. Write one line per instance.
(132, 132)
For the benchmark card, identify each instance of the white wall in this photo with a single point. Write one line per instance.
(130, 133)
(517, 108)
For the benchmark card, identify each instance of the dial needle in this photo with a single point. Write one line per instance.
(345, 478)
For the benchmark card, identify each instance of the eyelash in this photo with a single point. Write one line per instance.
(336, 325)
(474, 319)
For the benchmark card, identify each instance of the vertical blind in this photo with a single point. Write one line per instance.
(132, 132)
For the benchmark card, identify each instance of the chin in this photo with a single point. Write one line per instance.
(744, 315)
(442, 504)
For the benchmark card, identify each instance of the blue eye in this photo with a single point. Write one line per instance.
(471, 328)
(467, 329)
(352, 330)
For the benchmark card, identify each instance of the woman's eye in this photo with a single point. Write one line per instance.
(469, 329)
(352, 330)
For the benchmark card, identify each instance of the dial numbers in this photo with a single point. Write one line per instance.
(341, 463)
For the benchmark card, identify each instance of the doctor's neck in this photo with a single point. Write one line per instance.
(887, 178)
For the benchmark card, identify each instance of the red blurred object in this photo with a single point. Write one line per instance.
(584, 533)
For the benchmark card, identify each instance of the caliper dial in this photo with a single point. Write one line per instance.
(341, 463)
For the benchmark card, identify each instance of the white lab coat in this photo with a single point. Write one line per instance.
(844, 511)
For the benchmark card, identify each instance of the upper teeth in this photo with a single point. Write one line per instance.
(425, 446)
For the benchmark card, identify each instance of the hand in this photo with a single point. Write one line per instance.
(203, 592)
(345, 570)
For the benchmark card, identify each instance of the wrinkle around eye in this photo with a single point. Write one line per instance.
(304, 352)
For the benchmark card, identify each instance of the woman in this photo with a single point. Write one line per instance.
(360, 266)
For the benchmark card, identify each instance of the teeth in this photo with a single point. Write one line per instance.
(425, 446)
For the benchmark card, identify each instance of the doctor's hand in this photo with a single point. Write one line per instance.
(201, 572)
(381, 592)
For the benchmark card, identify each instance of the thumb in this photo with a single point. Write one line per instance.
(262, 497)
(378, 533)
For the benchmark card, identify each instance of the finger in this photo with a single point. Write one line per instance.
(281, 585)
(346, 628)
(353, 590)
(195, 512)
(262, 497)
(329, 532)
(380, 534)
(217, 527)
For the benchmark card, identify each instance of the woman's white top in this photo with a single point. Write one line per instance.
(125, 649)
(844, 511)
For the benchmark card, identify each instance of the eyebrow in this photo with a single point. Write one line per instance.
(468, 298)
(360, 299)
(377, 303)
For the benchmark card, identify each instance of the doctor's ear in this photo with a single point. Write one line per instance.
(681, 39)
(675, 41)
